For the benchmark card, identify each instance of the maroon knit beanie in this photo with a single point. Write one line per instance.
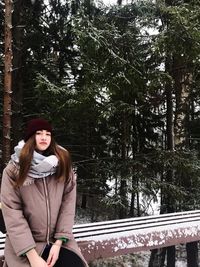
(35, 125)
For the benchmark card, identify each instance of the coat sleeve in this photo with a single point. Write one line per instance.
(17, 227)
(66, 215)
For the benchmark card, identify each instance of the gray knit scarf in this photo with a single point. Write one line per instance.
(41, 166)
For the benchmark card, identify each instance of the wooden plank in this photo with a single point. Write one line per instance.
(142, 219)
(122, 228)
(94, 229)
(116, 244)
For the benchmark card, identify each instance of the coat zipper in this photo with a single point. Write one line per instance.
(48, 210)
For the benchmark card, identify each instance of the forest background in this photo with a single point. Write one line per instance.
(121, 86)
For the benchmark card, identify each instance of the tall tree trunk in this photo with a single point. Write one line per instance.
(138, 199)
(84, 172)
(7, 108)
(132, 205)
(18, 66)
(183, 78)
(182, 83)
(170, 146)
(134, 147)
(167, 200)
(123, 182)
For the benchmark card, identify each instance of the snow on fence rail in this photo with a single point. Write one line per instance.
(119, 237)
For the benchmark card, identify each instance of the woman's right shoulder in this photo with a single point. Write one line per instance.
(11, 170)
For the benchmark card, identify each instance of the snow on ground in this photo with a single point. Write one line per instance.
(181, 264)
(140, 259)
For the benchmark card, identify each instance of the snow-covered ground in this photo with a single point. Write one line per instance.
(140, 259)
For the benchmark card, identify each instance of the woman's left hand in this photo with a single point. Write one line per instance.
(54, 253)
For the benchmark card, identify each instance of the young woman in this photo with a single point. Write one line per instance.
(38, 196)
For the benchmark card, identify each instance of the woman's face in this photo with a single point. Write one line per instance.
(43, 140)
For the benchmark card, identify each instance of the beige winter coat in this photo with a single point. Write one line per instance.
(38, 212)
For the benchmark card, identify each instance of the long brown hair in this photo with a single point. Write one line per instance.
(64, 160)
